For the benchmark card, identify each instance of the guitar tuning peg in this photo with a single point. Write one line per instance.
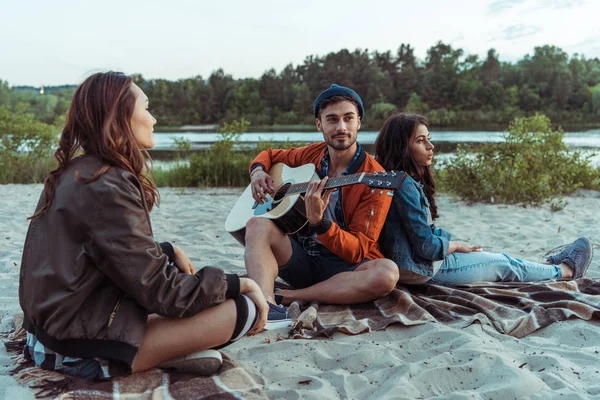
(393, 173)
(381, 192)
(384, 173)
(376, 173)
(389, 183)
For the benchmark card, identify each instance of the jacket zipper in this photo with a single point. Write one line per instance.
(114, 312)
(369, 221)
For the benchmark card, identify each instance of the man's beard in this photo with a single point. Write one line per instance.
(331, 141)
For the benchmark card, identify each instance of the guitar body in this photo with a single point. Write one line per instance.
(287, 212)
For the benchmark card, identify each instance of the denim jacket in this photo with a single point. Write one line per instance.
(407, 237)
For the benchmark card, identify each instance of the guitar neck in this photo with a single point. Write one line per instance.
(345, 180)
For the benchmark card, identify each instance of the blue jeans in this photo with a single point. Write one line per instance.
(461, 268)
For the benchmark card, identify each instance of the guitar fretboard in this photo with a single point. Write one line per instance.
(299, 188)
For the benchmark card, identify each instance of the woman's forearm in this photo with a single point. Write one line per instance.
(452, 246)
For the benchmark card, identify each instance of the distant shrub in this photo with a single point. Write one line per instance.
(221, 165)
(442, 117)
(25, 146)
(531, 166)
(286, 118)
(25, 168)
(379, 112)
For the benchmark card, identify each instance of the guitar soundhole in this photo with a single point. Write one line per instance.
(280, 193)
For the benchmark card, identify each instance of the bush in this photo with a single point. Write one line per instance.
(24, 168)
(442, 117)
(533, 165)
(221, 165)
(25, 146)
(379, 113)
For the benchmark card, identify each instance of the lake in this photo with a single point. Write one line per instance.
(164, 140)
(445, 141)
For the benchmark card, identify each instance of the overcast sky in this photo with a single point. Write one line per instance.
(53, 42)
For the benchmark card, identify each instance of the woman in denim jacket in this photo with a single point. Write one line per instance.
(425, 253)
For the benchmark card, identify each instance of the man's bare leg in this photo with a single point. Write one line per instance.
(369, 281)
(267, 247)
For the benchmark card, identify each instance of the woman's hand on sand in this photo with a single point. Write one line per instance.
(462, 247)
(261, 184)
(251, 289)
(183, 262)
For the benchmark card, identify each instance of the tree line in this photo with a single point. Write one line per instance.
(450, 87)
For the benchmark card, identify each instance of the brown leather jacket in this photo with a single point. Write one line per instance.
(92, 272)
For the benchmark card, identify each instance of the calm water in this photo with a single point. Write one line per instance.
(445, 141)
(164, 141)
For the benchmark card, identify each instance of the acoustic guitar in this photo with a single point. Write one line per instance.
(286, 207)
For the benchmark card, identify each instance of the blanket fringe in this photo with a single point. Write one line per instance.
(15, 346)
(24, 364)
(52, 388)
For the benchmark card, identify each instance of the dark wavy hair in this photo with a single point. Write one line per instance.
(99, 123)
(392, 151)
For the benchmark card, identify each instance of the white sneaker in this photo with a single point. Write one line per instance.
(205, 363)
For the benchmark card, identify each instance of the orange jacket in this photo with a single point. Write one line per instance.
(364, 211)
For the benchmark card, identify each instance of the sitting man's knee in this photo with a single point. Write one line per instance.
(258, 226)
(385, 278)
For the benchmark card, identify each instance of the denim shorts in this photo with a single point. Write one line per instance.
(303, 270)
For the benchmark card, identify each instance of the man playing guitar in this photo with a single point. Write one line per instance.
(336, 258)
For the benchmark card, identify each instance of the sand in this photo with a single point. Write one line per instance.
(426, 361)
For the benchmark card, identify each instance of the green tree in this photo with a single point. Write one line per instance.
(490, 69)
(248, 102)
(408, 79)
(416, 104)
(440, 79)
(4, 93)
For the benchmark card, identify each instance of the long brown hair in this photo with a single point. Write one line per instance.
(99, 123)
(392, 151)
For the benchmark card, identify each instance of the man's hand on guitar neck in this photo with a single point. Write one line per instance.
(262, 184)
(315, 202)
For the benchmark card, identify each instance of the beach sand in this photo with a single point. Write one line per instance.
(425, 361)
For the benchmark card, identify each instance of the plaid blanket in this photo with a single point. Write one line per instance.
(515, 309)
(231, 381)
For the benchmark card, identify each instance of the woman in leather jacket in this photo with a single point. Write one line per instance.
(425, 253)
(100, 296)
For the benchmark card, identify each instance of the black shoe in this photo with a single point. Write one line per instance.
(580, 257)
